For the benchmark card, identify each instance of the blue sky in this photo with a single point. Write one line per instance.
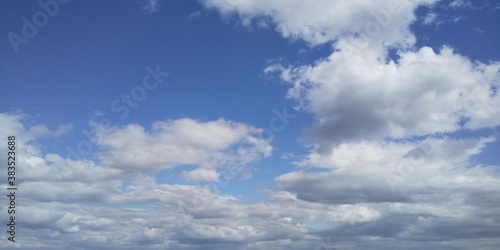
(218, 124)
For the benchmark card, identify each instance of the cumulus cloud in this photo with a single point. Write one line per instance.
(16, 122)
(209, 145)
(362, 95)
(321, 21)
(374, 172)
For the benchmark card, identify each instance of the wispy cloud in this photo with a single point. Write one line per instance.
(194, 14)
(152, 6)
(429, 19)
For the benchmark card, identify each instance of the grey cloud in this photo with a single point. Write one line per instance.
(338, 189)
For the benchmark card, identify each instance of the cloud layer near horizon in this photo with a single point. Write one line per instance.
(89, 205)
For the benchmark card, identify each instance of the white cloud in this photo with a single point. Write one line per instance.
(353, 213)
(201, 175)
(371, 157)
(151, 6)
(13, 123)
(210, 145)
(461, 4)
(195, 14)
(430, 18)
(373, 171)
(360, 95)
(324, 21)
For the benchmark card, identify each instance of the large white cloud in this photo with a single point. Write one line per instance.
(209, 145)
(361, 95)
(374, 172)
(321, 21)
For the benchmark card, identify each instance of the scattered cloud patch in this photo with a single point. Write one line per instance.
(429, 19)
(151, 6)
